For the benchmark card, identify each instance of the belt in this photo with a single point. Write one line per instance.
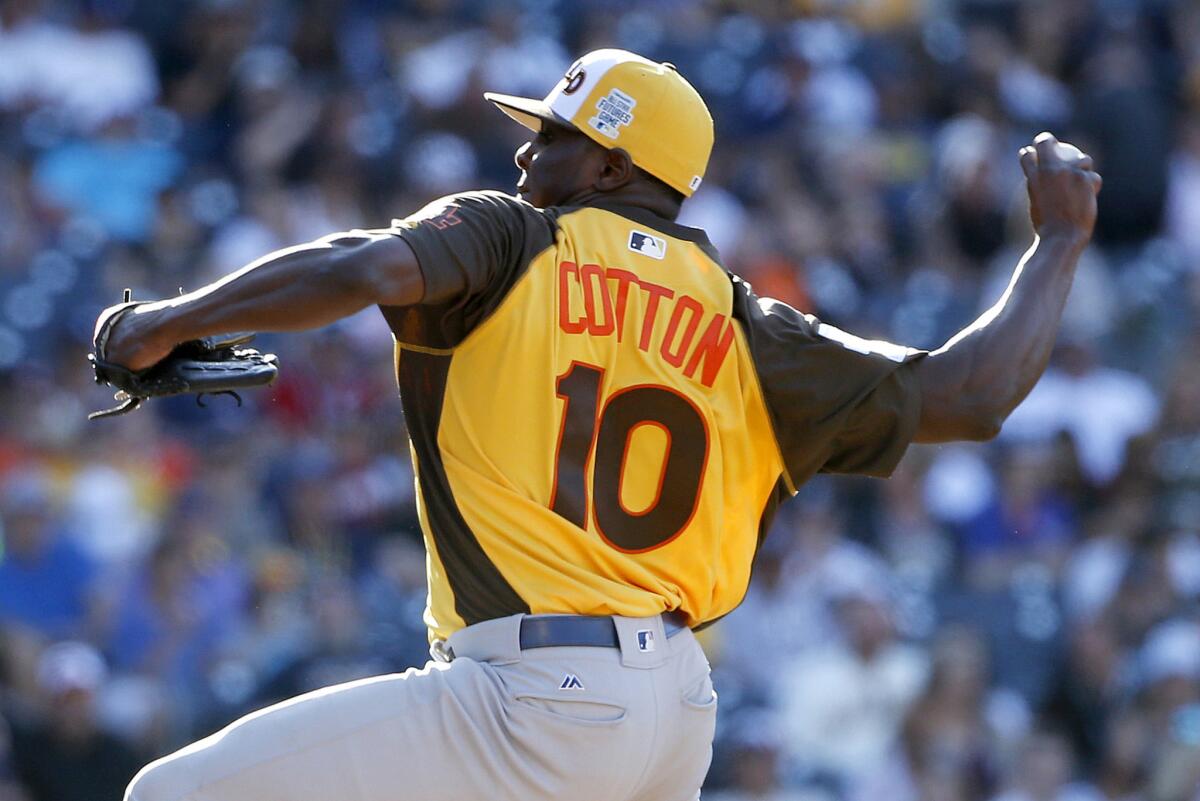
(579, 630)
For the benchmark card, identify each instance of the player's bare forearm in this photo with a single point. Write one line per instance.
(973, 382)
(294, 289)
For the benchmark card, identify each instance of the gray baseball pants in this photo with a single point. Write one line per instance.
(496, 723)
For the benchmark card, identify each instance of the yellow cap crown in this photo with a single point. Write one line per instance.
(619, 99)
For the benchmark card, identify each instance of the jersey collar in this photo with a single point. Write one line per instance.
(662, 225)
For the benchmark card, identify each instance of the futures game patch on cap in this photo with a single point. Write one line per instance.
(619, 99)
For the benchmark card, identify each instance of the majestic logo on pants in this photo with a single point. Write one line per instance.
(645, 638)
(571, 682)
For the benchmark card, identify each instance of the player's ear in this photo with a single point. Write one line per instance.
(617, 170)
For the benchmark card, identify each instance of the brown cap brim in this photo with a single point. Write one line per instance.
(525, 110)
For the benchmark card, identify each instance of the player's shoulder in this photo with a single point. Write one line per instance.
(769, 312)
(477, 203)
(489, 198)
(777, 322)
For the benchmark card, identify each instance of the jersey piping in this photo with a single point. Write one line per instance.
(480, 590)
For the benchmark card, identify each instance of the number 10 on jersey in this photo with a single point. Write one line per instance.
(601, 431)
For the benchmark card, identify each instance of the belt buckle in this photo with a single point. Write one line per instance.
(441, 651)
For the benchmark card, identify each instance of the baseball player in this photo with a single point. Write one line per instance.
(603, 422)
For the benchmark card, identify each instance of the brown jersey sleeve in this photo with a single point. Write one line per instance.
(471, 249)
(839, 404)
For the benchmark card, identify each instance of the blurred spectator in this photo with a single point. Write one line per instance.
(1028, 519)
(860, 687)
(787, 605)
(1101, 408)
(1042, 771)
(1183, 193)
(46, 581)
(1169, 456)
(946, 748)
(337, 652)
(173, 614)
(393, 602)
(946, 738)
(10, 788)
(1126, 113)
(1175, 769)
(1169, 672)
(1094, 573)
(754, 757)
(106, 517)
(1093, 681)
(66, 756)
(113, 181)
(91, 74)
(967, 151)
(272, 631)
(1124, 761)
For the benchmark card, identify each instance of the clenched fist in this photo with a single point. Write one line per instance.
(1062, 187)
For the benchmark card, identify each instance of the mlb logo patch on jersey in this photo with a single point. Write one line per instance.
(647, 244)
(645, 639)
(571, 682)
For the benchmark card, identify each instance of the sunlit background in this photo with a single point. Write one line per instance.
(1017, 621)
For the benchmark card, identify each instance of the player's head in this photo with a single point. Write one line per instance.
(612, 107)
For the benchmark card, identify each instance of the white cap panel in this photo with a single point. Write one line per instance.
(594, 66)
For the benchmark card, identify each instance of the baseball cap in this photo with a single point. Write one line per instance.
(620, 99)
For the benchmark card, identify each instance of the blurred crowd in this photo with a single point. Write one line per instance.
(1016, 621)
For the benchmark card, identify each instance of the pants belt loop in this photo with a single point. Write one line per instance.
(643, 641)
(496, 641)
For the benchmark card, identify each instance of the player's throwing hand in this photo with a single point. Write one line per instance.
(1062, 185)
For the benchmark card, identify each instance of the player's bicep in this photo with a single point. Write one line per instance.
(382, 263)
(948, 412)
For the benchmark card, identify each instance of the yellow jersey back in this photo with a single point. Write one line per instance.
(603, 419)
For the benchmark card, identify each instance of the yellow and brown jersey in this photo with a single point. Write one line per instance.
(603, 419)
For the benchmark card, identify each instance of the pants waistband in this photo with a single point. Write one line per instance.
(641, 640)
(547, 631)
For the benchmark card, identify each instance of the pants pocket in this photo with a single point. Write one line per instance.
(701, 697)
(591, 711)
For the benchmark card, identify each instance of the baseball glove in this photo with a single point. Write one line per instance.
(208, 366)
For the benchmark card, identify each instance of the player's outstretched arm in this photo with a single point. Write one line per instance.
(297, 288)
(972, 383)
